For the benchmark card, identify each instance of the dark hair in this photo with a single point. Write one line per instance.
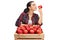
(28, 5)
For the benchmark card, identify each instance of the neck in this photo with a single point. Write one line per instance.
(30, 12)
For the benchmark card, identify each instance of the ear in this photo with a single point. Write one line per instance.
(29, 7)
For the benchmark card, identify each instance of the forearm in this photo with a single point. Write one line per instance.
(40, 18)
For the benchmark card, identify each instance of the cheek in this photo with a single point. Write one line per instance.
(34, 8)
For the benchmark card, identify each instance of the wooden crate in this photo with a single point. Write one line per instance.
(29, 36)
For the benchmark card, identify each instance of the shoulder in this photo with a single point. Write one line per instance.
(22, 13)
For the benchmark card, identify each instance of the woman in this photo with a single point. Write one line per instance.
(29, 17)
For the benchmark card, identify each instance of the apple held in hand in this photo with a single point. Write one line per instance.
(40, 6)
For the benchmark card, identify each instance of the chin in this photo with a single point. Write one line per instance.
(34, 10)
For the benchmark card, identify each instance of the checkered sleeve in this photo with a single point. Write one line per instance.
(19, 20)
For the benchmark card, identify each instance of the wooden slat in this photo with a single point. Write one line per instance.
(28, 36)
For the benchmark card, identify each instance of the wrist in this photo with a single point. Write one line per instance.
(40, 14)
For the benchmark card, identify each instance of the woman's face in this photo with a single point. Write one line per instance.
(33, 6)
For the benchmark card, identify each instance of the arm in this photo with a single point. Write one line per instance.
(40, 18)
(19, 20)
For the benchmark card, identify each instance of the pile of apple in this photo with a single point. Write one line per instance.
(29, 29)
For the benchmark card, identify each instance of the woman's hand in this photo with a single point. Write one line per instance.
(40, 9)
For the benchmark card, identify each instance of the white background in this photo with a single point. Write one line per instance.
(11, 9)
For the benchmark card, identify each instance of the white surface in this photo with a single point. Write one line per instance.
(11, 9)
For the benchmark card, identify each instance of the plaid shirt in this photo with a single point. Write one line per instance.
(24, 19)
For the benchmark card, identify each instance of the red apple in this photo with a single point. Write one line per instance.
(38, 27)
(19, 31)
(40, 6)
(32, 31)
(28, 28)
(25, 31)
(22, 27)
(31, 27)
(39, 31)
(34, 28)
